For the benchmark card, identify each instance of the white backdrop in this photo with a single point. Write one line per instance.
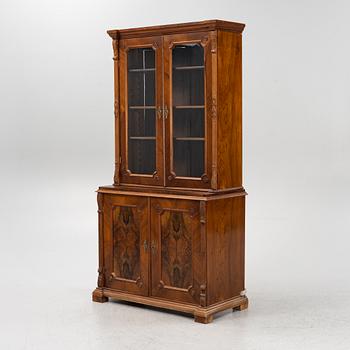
(56, 147)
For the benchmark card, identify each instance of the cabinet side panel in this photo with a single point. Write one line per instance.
(225, 248)
(229, 110)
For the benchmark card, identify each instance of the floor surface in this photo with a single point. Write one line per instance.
(44, 319)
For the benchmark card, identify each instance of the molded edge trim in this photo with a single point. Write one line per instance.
(167, 29)
(174, 305)
(188, 196)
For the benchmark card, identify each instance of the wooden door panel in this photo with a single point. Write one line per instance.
(177, 255)
(141, 100)
(183, 167)
(126, 236)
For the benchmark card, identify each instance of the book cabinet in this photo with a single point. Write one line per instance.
(171, 227)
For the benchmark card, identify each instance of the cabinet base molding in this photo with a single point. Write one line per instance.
(201, 314)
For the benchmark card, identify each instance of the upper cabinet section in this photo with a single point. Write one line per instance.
(178, 105)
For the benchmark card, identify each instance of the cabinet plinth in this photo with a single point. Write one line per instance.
(171, 227)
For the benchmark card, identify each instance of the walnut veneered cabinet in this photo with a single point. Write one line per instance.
(171, 227)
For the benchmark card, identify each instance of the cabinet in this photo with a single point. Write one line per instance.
(171, 227)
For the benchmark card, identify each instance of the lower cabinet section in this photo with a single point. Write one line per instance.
(180, 254)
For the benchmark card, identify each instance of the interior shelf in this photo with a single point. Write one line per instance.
(188, 67)
(189, 107)
(133, 70)
(142, 137)
(189, 138)
(142, 107)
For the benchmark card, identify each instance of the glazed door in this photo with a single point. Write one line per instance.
(188, 107)
(141, 125)
(177, 254)
(126, 243)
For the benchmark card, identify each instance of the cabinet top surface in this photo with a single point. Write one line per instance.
(203, 195)
(207, 25)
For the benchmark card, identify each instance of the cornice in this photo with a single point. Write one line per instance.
(169, 29)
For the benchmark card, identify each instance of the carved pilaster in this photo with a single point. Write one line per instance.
(213, 107)
(203, 220)
(214, 115)
(101, 269)
(116, 57)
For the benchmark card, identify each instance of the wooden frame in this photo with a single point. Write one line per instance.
(126, 176)
(171, 179)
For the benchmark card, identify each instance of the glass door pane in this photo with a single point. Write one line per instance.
(188, 110)
(141, 74)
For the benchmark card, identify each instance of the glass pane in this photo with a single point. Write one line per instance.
(141, 111)
(188, 158)
(188, 110)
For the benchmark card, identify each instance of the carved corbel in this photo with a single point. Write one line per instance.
(101, 280)
(202, 295)
(115, 50)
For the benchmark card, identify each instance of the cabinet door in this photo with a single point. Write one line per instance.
(188, 105)
(126, 243)
(141, 125)
(177, 262)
